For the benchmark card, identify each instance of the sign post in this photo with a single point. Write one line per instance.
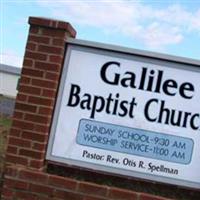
(128, 112)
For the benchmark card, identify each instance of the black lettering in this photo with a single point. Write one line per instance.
(150, 82)
(185, 119)
(98, 105)
(186, 87)
(146, 109)
(176, 120)
(85, 103)
(74, 96)
(142, 80)
(132, 105)
(170, 84)
(104, 68)
(159, 80)
(129, 81)
(109, 100)
(192, 121)
(164, 110)
(116, 104)
(123, 109)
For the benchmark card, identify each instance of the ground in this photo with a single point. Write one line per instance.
(6, 109)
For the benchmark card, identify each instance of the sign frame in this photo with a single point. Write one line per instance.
(139, 55)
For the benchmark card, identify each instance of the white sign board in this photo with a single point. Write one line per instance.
(129, 113)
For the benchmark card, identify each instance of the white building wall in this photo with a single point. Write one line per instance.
(9, 77)
(8, 84)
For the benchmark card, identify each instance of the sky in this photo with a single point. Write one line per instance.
(163, 26)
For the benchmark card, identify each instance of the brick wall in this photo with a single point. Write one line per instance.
(33, 185)
(25, 175)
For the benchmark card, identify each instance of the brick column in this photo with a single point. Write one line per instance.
(35, 101)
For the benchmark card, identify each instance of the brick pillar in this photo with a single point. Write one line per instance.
(42, 66)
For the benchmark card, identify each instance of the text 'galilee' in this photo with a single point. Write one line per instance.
(152, 81)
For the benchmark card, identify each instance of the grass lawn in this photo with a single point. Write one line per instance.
(5, 122)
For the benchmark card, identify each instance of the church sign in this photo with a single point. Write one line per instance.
(128, 112)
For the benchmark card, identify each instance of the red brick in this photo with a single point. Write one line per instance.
(92, 189)
(32, 72)
(11, 171)
(47, 66)
(93, 198)
(68, 27)
(18, 115)
(68, 195)
(58, 42)
(150, 197)
(16, 159)
(63, 25)
(53, 24)
(39, 39)
(29, 89)
(39, 146)
(16, 184)
(22, 125)
(37, 118)
(25, 195)
(54, 33)
(28, 62)
(33, 176)
(12, 150)
(41, 101)
(45, 111)
(50, 49)
(120, 194)
(25, 107)
(36, 56)
(20, 142)
(15, 132)
(7, 192)
(44, 83)
(34, 29)
(39, 21)
(31, 153)
(41, 189)
(49, 93)
(56, 59)
(25, 80)
(21, 185)
(31, 46)
(21, 97)
(41, 128)
(39, 197)
(37, 164)
(62, 182)
(34, 136)
(52, 76)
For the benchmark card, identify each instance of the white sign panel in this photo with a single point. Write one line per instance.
(129, 114)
